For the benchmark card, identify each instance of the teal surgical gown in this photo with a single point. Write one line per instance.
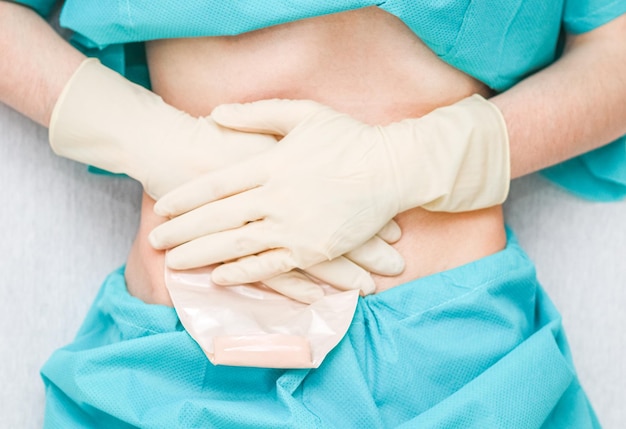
(479, 346)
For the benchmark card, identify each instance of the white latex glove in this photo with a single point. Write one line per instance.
(351, 271)
(104, 120)
(329, 185)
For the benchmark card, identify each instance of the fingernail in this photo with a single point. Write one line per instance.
(220, 113)
(154, 240)
(217, 278)
(367, 286)
(226, 275)
(398, 265)
(170, 260)
(161, 209)
(395, 232)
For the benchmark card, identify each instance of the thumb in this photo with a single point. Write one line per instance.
(275, 116)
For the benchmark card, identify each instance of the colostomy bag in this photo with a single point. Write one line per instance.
(252, 325)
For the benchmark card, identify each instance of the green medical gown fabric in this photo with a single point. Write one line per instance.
(480, 346)
(498, 42)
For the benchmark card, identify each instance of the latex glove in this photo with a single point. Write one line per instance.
(348, 272)
(104, 120)
(330, 184)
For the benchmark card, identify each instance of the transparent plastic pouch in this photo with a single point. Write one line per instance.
(252, 325)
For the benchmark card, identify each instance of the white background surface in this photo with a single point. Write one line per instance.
(63, 230)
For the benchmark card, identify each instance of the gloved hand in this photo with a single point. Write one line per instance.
(345, 272)
(104, 120)
(329, 184)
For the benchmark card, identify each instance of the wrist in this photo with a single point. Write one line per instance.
(456, 158)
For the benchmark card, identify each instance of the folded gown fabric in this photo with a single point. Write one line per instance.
(479, 346)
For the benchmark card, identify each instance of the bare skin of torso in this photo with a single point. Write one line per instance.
(365, 63)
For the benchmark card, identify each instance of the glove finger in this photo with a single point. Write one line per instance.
(254, 268)
(221, 247)
(275, 116)
(297, 286)
(343, 274)
(212, 186)
(221, 215)
(376, 256)
(391, 232)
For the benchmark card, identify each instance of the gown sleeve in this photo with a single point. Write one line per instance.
(42, 7)
(599, 175)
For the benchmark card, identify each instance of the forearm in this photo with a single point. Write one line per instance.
(571, 107)
(36, 62)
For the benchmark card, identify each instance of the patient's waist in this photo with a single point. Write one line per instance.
(197, 74)
(431, 243)
(365, 62)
